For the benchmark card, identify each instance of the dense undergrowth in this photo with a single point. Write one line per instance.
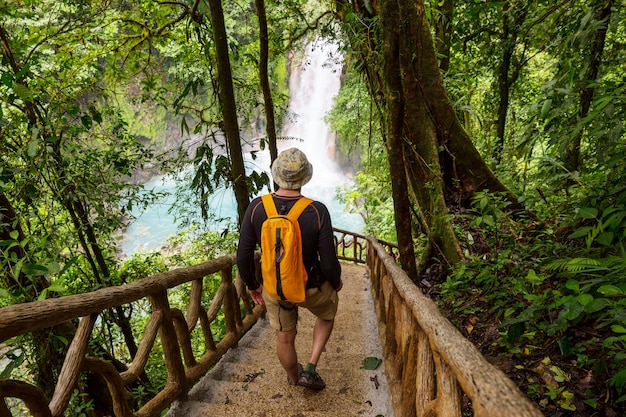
(544, 298)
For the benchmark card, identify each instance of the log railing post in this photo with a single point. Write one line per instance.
(425, 378)
(72, 366)
(229, 302)
(169, 342)
(195, 301)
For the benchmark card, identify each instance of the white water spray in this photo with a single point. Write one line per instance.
(313, 85)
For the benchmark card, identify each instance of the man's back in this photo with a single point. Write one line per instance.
(318, 248)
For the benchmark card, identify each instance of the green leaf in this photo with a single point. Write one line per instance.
(23, 92)
(489, 220)
(18, 268)
(57, 286)
(35, 269)
(573, 310)
(370, 363)
(584, 299)
(7, 79)
(605, 238)
(566, 402)
(32, 148)
(596, 305)
(533, 278)
(545, 109)
(618, 328)
(580, 232)
(573, 285)
(610, 290)
(588, 212)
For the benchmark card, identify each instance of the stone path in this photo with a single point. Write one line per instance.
(249, 380)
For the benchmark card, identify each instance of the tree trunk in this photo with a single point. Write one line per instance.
(229, 108)
(270, 128)
(572, 153)
(426, 171)
(463, 169)
(513, 16)
(441, 164)
(503, 82)
(393, 92)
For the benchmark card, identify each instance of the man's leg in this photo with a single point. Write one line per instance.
(321, 334)
(286, 351)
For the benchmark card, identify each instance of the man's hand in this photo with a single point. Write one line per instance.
(257, 296)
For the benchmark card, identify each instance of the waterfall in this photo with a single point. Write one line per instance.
(313, 85)
(314, 82)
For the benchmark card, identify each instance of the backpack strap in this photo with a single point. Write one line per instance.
(298, 208)
(269, 205)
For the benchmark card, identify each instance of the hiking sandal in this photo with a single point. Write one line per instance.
(311, 380)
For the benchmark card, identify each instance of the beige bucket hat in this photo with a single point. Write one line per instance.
(291, 169)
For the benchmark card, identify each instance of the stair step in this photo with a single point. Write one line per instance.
(266, 393)
(346, 365)
(230, 410)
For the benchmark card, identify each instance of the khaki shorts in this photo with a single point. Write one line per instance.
(283, 315)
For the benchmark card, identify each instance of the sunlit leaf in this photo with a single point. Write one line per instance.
(610, 290)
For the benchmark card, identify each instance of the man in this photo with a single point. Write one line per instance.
(290, 171)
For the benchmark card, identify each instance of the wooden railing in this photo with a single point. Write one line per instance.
(431, 368)
(174, 329)
(352, 246)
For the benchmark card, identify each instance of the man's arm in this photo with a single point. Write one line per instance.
(245, 252)
(330, 268)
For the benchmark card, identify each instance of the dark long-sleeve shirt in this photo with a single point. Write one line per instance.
(318, 248)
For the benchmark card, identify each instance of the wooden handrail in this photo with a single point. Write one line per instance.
(429, 364)
(351, 246)
(183, 369)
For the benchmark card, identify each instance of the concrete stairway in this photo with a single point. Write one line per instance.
(250, 382)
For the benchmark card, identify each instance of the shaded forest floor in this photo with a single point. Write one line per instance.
(565, 373)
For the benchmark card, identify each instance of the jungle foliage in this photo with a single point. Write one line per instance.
(95, 96)
(539, 87)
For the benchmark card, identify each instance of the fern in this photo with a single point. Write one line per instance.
(618, 381)
(574, 265)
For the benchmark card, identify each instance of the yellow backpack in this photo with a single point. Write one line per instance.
(284, 273)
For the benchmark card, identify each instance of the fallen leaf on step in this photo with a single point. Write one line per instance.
(370, 363)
